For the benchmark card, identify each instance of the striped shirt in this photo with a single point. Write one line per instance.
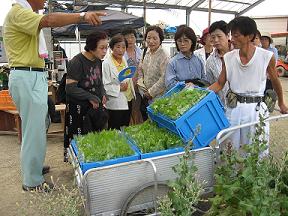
(213, 70)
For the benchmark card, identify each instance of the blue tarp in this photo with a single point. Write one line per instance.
(170, 29)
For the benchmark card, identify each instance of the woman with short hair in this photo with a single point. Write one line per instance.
(219, 32)
(133, 57)
(119, 94)
(152, 68)
(184, 66)
(84, 89)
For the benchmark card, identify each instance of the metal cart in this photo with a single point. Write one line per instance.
(132, 186)
(112, 189)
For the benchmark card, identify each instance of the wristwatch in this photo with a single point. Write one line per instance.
(82, 16)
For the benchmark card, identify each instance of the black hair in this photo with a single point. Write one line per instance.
(258, 33)
(221, 25)
(93, 39)
(128, 30)
(158, 30)
(189, 33)
(116, 39)
(245, 25)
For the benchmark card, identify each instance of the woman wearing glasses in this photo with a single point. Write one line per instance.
(184, 66)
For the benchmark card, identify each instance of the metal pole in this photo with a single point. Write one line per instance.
(50, 6)
(79, 40)
(209, 13)
(144, 14)
(144, 17)
(51, 54)
(286, 36)
(188, 12)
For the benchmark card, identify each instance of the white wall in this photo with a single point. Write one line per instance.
(3, 58)
(272, 25)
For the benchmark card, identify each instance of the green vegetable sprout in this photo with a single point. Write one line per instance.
(108, 144)
(178, 103)
(150, 138)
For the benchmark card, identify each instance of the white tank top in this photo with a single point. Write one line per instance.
(248, 79)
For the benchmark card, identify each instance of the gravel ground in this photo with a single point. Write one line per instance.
(10, 180)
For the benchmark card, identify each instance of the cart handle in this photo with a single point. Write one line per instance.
(223, 134)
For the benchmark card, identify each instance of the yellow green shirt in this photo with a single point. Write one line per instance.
(128, 93)
(20, 36)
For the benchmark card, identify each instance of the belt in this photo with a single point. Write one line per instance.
(29, 69)
(247, 99)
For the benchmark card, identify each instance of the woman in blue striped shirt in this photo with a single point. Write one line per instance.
(184, 66)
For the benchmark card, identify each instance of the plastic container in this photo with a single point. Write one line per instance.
(208, 115)
(153, 154)
(86, 166)
(6, 102)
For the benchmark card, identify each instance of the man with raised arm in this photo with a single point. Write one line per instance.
(26, 49)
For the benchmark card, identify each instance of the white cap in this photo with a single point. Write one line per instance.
(267, 34)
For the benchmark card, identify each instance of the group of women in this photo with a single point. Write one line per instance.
(97, 100)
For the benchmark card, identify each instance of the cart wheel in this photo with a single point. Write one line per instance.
(143, 194)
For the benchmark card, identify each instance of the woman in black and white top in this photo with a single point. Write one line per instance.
(85, 93)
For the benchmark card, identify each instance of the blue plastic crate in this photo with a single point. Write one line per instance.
(133, 144)
(86, 166)
(208, 114)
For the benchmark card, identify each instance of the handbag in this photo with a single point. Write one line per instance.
(231, 99)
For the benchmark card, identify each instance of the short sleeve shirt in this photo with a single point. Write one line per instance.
(87, 73)
(21, 37)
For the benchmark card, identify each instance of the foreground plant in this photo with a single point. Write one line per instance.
(251, 184)
(185, 191)
(62, 201)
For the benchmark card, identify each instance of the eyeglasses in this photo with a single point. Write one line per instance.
(184, 41)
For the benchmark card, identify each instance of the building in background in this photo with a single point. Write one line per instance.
(273, 24)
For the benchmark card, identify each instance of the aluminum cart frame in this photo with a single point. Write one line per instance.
(108, 190)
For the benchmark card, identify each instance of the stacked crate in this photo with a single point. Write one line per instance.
(208, 115)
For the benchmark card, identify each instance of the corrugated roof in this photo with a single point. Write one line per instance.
(236, 7)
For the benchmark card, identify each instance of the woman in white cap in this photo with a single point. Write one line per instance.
(266, 42)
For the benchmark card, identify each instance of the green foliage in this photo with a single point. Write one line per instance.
(185, 190)
(150, 138)
(178, 103)
(251, 184)
(101, 146)
(4, 73)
